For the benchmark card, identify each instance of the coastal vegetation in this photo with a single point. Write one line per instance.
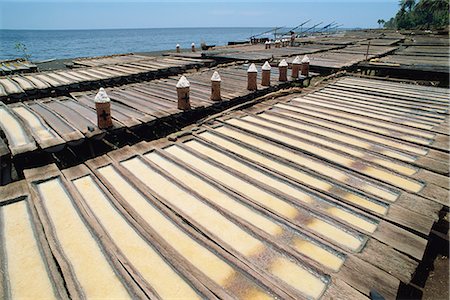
(422, 14)
(23, 50)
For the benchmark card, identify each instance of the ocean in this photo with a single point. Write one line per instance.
(60, 44)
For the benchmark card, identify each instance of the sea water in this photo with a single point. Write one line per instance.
(59, 44)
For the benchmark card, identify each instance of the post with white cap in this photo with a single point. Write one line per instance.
(103, 108)
(215, 86)
(282, 70)
(267, 44)
(183, 87)
(296, 67)
(178, 48)
(193, 47)
(265, 81)
(305, 65)
(277, 44)
(252, 74)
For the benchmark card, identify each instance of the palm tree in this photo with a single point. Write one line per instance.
(407, 4)
(433, 5)
(381, 22)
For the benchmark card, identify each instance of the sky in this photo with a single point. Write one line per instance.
(103, 14)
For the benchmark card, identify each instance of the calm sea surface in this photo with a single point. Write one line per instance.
(49, 44)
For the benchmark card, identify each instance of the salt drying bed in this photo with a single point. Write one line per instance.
(51, 123)
(345, 57)
(14, 88)
(286, 199)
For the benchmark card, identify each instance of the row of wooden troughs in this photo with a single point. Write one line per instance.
(14, 88)
(326, 195)
(13, 66)
(323, 57)
(52, 123)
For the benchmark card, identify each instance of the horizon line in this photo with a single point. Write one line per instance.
(143, 28)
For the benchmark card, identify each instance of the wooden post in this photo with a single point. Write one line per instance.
(277, 43)
(296, 67)
(252, 74)
(215, 86)
(267, 44)
(193, 47)
(305, 65)
(265, 81)
(178, 48)
(367, 52)
(103, 108)
(282, 70)
(183, 87)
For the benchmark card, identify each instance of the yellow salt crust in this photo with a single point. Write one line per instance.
(385, 107)
(301, 160)
(208, 217)
(251, 172)
(16, 133)
(353, 219)
(375, 207)
(408, 184)
(36, 125)
(342, 237)
(25, 267)
(318, 254)
(92, 270)
(282, 207)
(406, 170)
(277, 184)
(229, 232)
(368, 114)
(153, 268)
(367, 120)
(202, 258)
(359, 125)
(317, 130)
(216, 196)
(353, 132)
(298, 278)
(236, 208)
(289, 171)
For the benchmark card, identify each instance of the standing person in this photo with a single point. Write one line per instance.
(293, 36)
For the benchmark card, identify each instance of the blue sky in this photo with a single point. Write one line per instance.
(100, 14)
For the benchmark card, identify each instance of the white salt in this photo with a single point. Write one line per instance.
(283, 63)
(297, 60)
(183, 82)
(101, 96)
(266, 66)
(252, 69)
(216, 76)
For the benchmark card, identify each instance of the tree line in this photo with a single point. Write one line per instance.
(422, 14)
